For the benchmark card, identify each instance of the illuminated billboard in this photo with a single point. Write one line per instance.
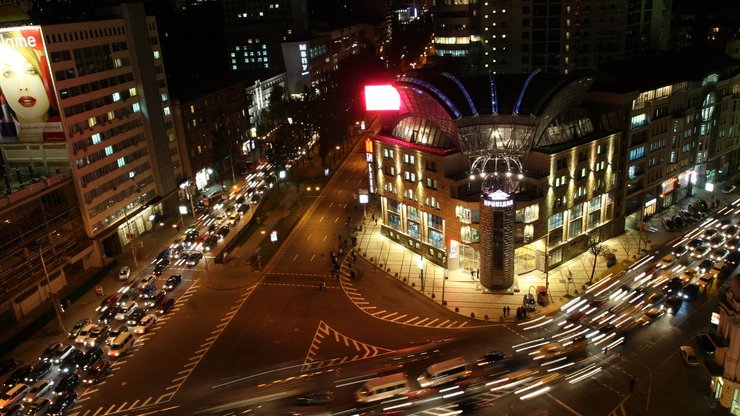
(381, 98)
(29, 109)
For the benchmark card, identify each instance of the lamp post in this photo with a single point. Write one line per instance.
(52, 294)
(420, 264)
(132, 236)
(444, 277)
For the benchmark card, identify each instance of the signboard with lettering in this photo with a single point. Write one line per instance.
(498, 199)
(303, 53)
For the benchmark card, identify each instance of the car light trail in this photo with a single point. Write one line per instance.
(545, 364)
(574, 306)
(586, 375)
(566, 365)
(535, 393)
(527, 328)
(525, 345)
(616, 282)
(532, 321)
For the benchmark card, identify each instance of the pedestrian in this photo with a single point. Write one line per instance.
(508, 311)
(372, 217)
(504, 310)
(472, 274)
(632, 383)
(477, 273)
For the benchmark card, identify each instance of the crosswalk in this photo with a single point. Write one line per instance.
(328, 341)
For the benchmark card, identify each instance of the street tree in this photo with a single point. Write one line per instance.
(595, 247)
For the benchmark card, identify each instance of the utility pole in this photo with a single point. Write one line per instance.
(52, 295)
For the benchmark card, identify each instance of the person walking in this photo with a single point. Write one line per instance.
(632, 383)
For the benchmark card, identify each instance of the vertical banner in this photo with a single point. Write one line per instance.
(30, 112)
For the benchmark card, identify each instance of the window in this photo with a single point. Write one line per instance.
(600, 166)
(581, 191)
(96, 138)
(600, 149)
(576, 211)
(436, 239)
(561, 163)
(109, 150)
(434, 221)
(575, 228)
(637, 153)
(116, 96)
(412, 213)
(388, 153)
(413, 229)
(560, 181)
(390, 170)
(431, 183)
(409, 159)
(594, 203)
(394, 220)
(121, 162)
(639, 121)
(431, 165)
(409, 176)
(410, 194)
(556, 221)
(432, 202)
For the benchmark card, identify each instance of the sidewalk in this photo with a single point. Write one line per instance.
(465, 296)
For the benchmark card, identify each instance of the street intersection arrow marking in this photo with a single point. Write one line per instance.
(342, 348)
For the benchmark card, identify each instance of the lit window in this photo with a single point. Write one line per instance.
(156, 55)
(116, 96)
(109, 150)
(121, 162)
(136, 107)
(167, 110)
(132, 91)
(111, 115)
(92, 122)
(164, 97)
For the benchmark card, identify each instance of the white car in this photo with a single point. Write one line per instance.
(84, 332)
(37, 389)
(667, 261)
(97, 336)
(126, 310)
(125, 273)
(145, 323)
(150, 278)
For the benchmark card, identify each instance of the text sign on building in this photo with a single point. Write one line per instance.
(370, 170)
(498, 199)
(303, 53)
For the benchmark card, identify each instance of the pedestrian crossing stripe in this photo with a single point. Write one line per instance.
(326, 335)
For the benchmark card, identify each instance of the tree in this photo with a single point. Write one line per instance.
(595, 247)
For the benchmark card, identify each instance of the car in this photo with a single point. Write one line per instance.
(709, 234)
(97, 372)
(124, 273)
(67, 383)
(243, 208)
(674, 302)
(72, 362)
(106, 303)
(7, 364)
(689, 356)
(194, 258)
(223, 231)
(688, 275)
(126, 310)
(160, 268)
(114, 332)
(674, 285)
(177, 252)
(210, 242)
(695, 243)
(655, 312)
(62, 404)
(731, 231)
(700, 251)
(77, 327)
(706, 343)
(315, 398)
(529, 302)
(84, 332)
(62, 353)
(719, 254)
(146, 280)
(733, 258)
(148, 291)
(37, 390)
(667, 261)
(51, 350)
(172, 282)
(15, 409)
(690, 292)
(489, 358)
(92, 356)
(679, 250)
(17, 376)
(728, 189)
(97, 335)
(733, 243)
(717, 241)
(136, 316)
(165, 306)
(145, 323)
(164, 254)
(38, 370)
(109, 315)
(38, 406)
(154, 301)
(127, 289)
(705, 266)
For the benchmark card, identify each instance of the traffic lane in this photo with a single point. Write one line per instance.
(158, 356)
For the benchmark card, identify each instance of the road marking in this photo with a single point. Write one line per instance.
(175, 380)
(379, 312)
(99, 410)
(341, 339)
(134, 404)
(122, 406)
(202, 350)
(398, 317)
(411, 320)
(212, 338)
(389, 315)
(443, 323)
(206, 344)
(174, 386)
(110, 408)
(422, 321)
(184, 371)
(430, 323)
(146, 401)
(563, 404)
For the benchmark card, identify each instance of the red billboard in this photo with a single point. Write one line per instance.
(29, 109)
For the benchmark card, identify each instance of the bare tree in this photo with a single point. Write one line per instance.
(595, 247)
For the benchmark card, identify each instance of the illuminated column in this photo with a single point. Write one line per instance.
(497, 215)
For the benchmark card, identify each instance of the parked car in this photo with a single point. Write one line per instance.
(17, 376)
(172, 281)
(37, 389)
(529, 302)
(114, 332)
(148, 291)
(126, 310)
(689, 356)
(690, 292)
(706, 343)
(124, 273)
(728, 189)
(84, 332)
(97, 372)
(136, 316)
(165, 306)
(109, 315)
(705, 265)
(38, 406)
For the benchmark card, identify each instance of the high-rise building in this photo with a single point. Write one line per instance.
(89, 101)
(557, 36)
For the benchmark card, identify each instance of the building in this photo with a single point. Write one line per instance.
(93, 111)
(551, 35)
(255, 30)
(726, 386)
(218, 129)
(310, 60)
(679, 126)
(493, 173)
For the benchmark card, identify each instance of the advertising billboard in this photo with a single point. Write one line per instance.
(382, 98)
(29, 109)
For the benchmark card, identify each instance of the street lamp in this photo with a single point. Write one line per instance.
(420, 264)
(52, 295)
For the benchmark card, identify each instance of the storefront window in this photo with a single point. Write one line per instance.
(528, 214)
(576, 211)
(463, 214)
(575, 228)
(556, 220)
(413, 229)
(469, 234)
(394, 206)
(394, 220)
(434, 221)
(413, 213)
(594, 204)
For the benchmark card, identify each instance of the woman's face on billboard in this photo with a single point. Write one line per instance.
(23, 87)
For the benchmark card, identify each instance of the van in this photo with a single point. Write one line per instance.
(121, 344)
(444, 372)
(382, 388)
(13, 395)
(126, 310)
